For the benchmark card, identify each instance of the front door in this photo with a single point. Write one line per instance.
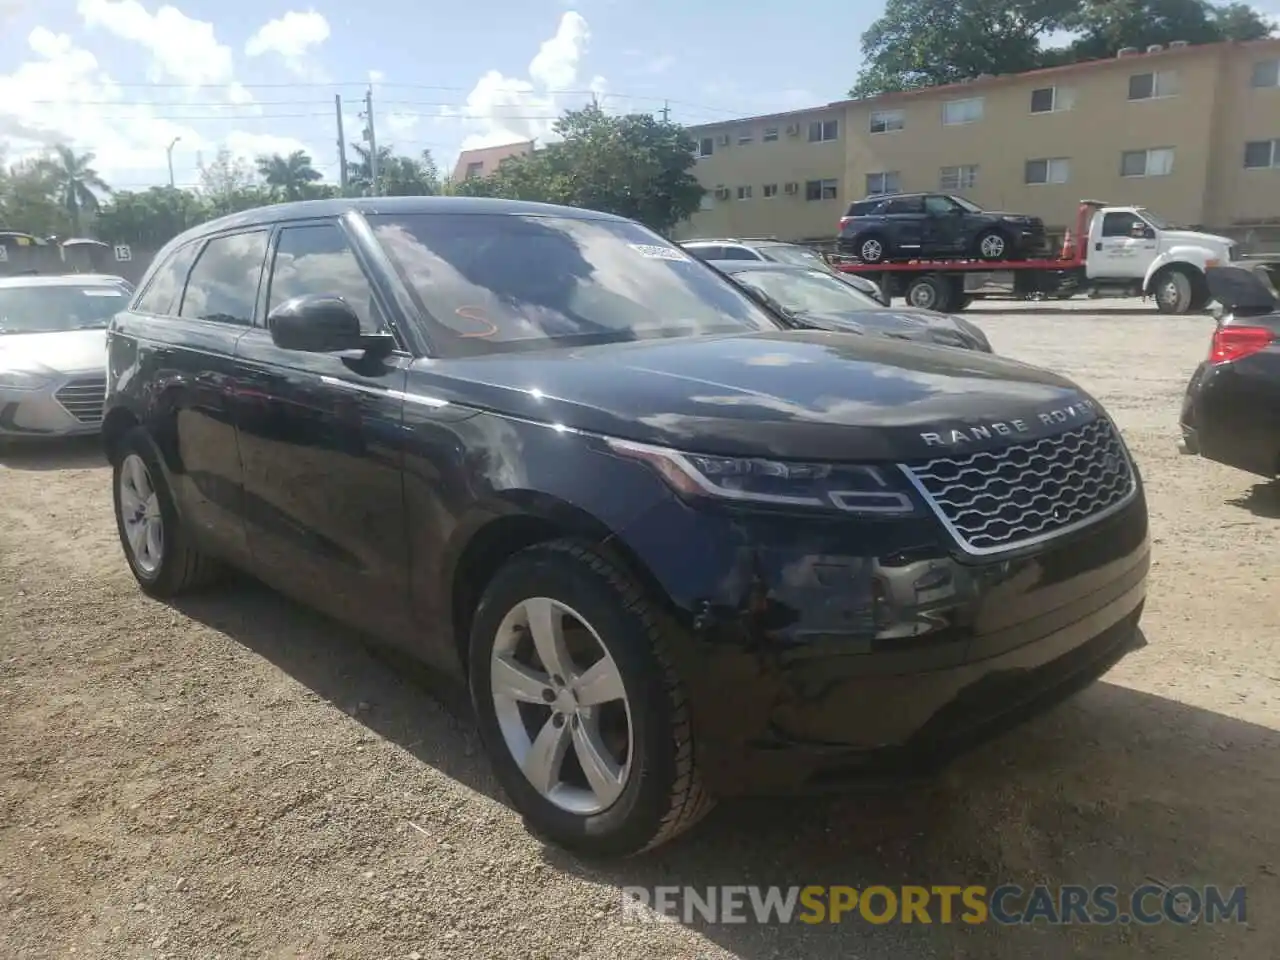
(1121, 251)
(943, 226)
(321, 443)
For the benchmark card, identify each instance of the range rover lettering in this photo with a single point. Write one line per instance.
(674, 548)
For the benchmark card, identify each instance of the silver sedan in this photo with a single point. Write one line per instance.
(53, 352)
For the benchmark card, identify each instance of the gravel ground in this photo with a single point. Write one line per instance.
(235, 777)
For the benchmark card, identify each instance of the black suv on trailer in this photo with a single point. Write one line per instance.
(675, 550)
(907, 226)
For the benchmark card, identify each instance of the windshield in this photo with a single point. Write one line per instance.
(52, 308)
(495, 283)
(1160, 223)
(967, 204)
(796, 256)
(807, 291)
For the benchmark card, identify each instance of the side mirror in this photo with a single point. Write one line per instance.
(323, 324)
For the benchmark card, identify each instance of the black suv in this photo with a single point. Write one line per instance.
(674, 549)
(922, 225)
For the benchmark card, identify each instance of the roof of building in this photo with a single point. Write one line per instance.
(490, 157)
(985, 82)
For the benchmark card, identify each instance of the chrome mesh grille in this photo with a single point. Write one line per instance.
(83, 398)
(1003, 499)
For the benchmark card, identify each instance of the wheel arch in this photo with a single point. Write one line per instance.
(523, 519)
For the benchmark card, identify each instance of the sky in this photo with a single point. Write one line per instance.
(123, 78)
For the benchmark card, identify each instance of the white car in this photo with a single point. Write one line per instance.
(53, 352)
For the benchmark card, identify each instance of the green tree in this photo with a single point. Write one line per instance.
(150, 217)
(30, 202)
(920, 43)
(230, 185)
(635, 166)
(288, 176)
(75, 182)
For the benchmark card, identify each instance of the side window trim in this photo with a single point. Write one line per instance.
(262, 269)
(268, 274)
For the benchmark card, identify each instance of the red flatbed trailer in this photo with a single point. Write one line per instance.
(938, 283)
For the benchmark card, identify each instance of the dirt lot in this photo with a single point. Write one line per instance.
(238, 778)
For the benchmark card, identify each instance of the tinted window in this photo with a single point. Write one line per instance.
(45, 308)
(223, 284)
(318, 260)
(905, 205)
(708, 252)
(739, 253)
(807, 291)
(164, 290)
(1119, 224)
(939, 206)
(493, 283)
(864, 208)
(799, 256)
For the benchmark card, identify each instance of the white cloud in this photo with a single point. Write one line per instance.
(291, 37)
(181, 48)
(502, 109)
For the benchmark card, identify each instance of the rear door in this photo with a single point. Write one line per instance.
(904, 220)
(321, 439)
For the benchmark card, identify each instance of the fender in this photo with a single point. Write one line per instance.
(1186, 254)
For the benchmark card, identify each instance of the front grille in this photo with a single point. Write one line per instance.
(83, 398)
(1028, 492)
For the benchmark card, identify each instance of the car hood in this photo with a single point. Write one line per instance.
(801, 394)
(66, 351)
(1193, 237)
(1014, 214)
(922, 325)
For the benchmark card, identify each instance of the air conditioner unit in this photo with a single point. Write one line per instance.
(1178, 44)
(793, 130)
(1127, 51)
(1154, 48)
(723, 141)
(791, 189)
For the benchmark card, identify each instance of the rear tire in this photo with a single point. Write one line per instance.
(929, 293)
(872, 249)
(648, 789)
(156, 546)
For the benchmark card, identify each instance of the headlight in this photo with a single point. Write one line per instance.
(852, 488)
(21, 380)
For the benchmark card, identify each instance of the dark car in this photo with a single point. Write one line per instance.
(776, 251)
(907, 226)
(1231, 410)
(827, 301)
(675, 549)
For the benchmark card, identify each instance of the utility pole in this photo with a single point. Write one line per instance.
(342, 145)
(666, 111)
(169, 151)
(372, 139)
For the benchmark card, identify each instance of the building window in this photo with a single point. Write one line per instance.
(957, 112)
(1157, 162)
(769, 191)
(821, 189)
(1266, 73)
(1152, 86)
(770, 134)
(882, 183)
(821, 131)
(887, 121)
(744, 193)
(707, 202)
(706, 146)
(964, 177)
(1262, 154)
(1052, 99)
(475, 169)
(1050, 170)
(744, 139)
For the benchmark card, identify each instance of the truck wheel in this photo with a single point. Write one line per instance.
(872, 249)
(992, 245)
(1173, 291)
(928, 293)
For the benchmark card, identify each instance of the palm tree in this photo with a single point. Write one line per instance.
(290, 175)
(74, 181)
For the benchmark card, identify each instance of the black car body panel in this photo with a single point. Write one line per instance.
(813, 642)
(911, 225)
(1231, 408)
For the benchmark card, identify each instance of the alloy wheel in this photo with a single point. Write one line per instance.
(872, 251)
(140, 514)
(993, 246)
(561, 706)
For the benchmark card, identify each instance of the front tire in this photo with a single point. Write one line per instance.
(586, 724)
(1173, 290)
(158, 549)
(993, 245)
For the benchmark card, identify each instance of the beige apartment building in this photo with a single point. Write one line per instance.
(1191, 132)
